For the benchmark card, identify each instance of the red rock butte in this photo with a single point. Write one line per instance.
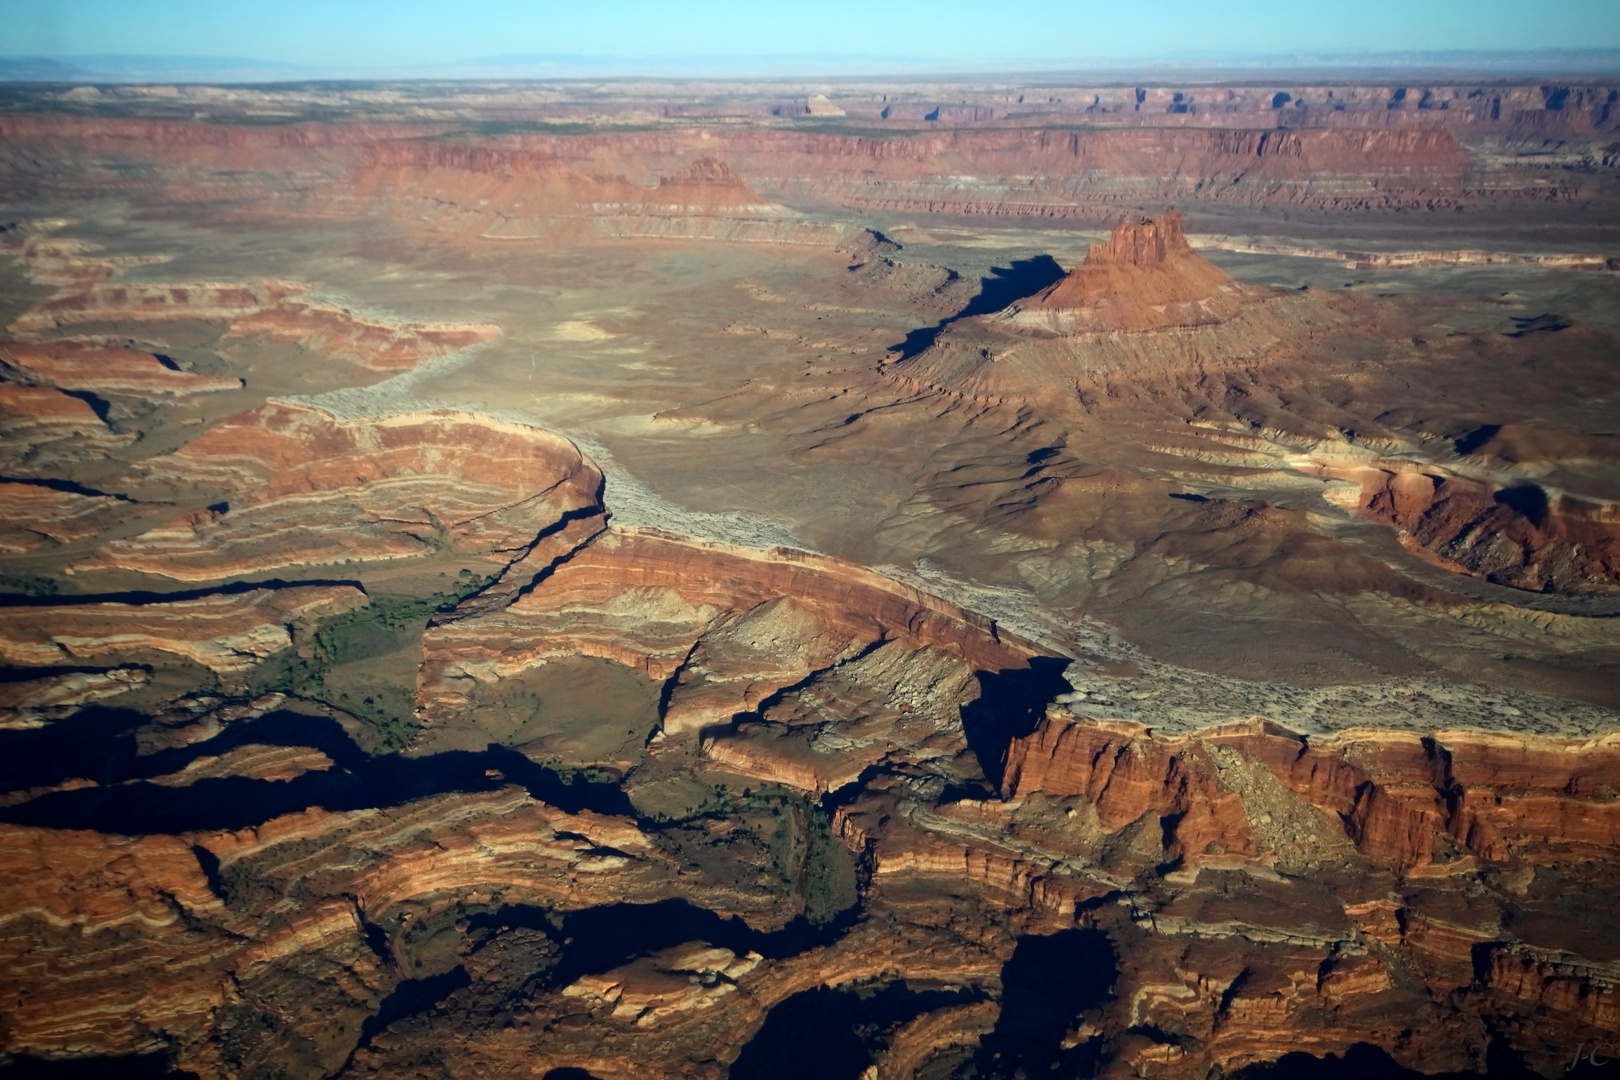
(1145, 277)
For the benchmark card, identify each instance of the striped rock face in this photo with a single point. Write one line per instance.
(304, 488)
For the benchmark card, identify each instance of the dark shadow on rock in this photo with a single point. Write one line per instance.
(568, 1073)
(826, 1034)
(1526, 500)
(1539, 324)
(146, 596)
(598, 939)
(45, 756)
(1046, 985)
(409, 998)
(95, 743)
(1364, 1061)
(1010, 703)
(137, 1067)
(99, 744)
(1006, 285)
(1476, 438)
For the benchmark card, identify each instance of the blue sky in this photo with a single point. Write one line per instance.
(350, 34)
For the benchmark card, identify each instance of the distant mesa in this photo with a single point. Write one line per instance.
(819, 105)
(708, 186)
(1146, 277)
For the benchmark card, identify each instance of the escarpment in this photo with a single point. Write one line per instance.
(724, 629)
(275, 311)
(99, 908)
(1013, 171)
(108, 369)
(1404, 801)
(227, 633)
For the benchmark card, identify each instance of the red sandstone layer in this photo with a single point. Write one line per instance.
(44, 431)
(1145, 277)
(729, 626)
(1404, 800)
(1514, 534)
(32, 516)
(109, 369)
(303, 488)
(228, 633)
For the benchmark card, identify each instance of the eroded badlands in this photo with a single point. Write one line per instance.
(950, 581)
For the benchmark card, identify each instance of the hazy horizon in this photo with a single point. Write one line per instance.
(1216, 65)
(373, 39)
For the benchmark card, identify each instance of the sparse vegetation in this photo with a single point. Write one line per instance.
(386, 625)
(812, 862)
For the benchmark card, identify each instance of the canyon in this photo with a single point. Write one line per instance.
(954, 581)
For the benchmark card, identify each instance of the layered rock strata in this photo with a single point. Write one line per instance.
(301, 487)
(44, 431)
(1404, 800)
(227, 633)
(1515, 533)
(33, 515)
(725, 628)
(32, 703)
(282, 312)
(85, 911)
(103, 368)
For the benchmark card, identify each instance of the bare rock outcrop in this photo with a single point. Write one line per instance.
(33, 516)
(227, 632)
(32, 703)
(278, 311)
(1405, 801)
(93, 919)
(107, 368)
(44, 431)
(1145, 277)
(725, 627)
(1514, 533)
(302, 487)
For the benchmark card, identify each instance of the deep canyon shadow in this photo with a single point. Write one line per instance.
(827, 1034)
(1010, 703)
(1364, 1061)
(598, 939)
(1047, 984)
(101, 746)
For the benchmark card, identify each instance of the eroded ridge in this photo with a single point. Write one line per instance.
(725, 629)
(302, 488)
